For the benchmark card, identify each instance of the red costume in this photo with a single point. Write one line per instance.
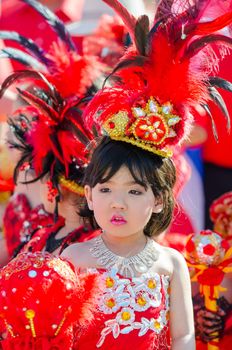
(45, 238)
(166, 74)
(60, 79)
(20, 221)
(221, 216)
(153, 114)
(131, 311)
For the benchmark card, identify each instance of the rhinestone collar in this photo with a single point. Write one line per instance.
(127, 267)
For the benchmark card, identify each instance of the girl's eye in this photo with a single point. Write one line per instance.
(135, 192)
(104, 190)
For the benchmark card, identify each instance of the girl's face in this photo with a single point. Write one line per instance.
(121, 206)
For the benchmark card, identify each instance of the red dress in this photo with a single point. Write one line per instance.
(20, 221)
(15, 214)
(22, 224)
(45, 238)
(132, 312)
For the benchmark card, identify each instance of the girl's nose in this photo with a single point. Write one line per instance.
(118, 203)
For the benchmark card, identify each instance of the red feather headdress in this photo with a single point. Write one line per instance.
(56, 88)
(164, 76)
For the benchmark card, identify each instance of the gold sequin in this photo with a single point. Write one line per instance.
(110, 303)
(109, 282)
(151, 284)
(126, 316)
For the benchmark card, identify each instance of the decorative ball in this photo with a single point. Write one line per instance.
(32, 286)
(207, 248)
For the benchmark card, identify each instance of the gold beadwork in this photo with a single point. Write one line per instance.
(61, 324)
(8, 327)
(148, 128)
(163, 153)
(116, 125)
(72, 186)
(30, 314)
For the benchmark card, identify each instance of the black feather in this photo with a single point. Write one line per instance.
(56, 24)
(199, 43)
(141, 34)
(217, 98)
(13, 78)
(54, 94)
(28, 44)
(130, 62)
(75, 118)
(95, 131)
(40, 104)
(22, 74)
(220, 83)
(22, 57)
(214, 128)
(57, 147)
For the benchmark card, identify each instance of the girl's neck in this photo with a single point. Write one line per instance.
(72, 219)
(125, 246)
(70, 213)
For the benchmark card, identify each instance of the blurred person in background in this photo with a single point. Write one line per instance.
(41, 227)
(218, 156)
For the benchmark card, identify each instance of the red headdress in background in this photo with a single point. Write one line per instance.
(41, 300)
(108, 41)
(163, 77)
(57, 86)
(221, 215)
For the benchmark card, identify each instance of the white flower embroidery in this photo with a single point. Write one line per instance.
(112, 302)
(126, 297)
(125, 316)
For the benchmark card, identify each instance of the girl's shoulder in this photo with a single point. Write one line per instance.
(79, 254)
(169, 261)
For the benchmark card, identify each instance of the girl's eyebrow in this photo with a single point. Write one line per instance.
(129, 183)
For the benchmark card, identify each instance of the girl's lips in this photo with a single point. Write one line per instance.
(118, 220)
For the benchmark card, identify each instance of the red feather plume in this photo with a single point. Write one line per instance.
(171, 63)
(71, 73)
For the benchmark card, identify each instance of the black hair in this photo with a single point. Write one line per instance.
(146, 168)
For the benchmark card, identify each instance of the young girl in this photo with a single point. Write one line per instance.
(128, 183)
(129, 196)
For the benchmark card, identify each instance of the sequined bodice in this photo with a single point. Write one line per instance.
(131, 309)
